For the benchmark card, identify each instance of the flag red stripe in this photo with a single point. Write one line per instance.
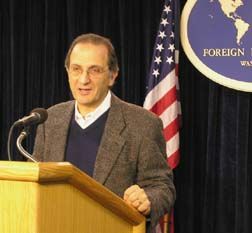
(173, 159)
(176, 69)
(171, 129)
(165, 101)
(171, 222)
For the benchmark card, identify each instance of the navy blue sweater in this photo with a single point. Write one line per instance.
(83, 144)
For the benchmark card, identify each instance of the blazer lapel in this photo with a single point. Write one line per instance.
(111, 143)
(61, 124)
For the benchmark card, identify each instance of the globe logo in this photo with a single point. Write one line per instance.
(217, 38)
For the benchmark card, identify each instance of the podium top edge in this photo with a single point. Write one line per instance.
(37, 172)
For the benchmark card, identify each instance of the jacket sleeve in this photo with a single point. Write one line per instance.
(154, 175)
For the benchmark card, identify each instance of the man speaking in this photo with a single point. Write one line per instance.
(118, 144)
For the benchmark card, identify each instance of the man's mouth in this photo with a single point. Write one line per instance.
(84, 91)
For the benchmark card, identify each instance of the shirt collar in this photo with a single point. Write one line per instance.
(91, 117)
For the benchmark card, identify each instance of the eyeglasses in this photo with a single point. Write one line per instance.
(92, 71)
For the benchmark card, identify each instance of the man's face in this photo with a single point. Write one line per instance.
(89, 75)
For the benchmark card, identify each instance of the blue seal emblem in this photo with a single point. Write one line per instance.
(217, 38)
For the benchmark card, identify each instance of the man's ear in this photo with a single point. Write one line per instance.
(112, 76)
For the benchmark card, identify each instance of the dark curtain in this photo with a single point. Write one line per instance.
(213, 179)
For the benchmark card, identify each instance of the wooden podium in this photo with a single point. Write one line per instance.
(59, 198)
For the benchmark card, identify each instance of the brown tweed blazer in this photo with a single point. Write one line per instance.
(132, 151)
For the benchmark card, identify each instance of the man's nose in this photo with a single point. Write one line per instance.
(84, 78)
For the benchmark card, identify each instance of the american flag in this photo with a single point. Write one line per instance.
(162, 89)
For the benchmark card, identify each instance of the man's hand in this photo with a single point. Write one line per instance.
(136, 197)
